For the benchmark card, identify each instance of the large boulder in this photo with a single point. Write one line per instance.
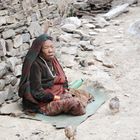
(72, 20)
(68, 28)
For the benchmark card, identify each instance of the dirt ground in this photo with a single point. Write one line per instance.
(125, 125)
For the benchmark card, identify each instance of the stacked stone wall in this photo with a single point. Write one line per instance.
(21, 21)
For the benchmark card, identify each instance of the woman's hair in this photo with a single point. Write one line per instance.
(49, 38)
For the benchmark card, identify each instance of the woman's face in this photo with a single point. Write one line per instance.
(48, 50)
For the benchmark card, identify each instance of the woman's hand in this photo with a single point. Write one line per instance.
(56, 98)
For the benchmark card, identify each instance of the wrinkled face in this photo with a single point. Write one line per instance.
(48, 50)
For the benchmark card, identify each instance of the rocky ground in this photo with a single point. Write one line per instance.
(113, 64)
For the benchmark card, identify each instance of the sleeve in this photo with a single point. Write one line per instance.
(35, 82)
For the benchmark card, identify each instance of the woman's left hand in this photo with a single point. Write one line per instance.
(56, 98)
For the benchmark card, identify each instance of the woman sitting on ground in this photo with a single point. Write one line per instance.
(44, 87)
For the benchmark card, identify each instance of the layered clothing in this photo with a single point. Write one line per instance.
(42, 79)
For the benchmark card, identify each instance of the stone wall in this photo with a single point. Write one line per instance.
(20, 23)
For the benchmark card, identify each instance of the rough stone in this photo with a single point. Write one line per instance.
(99, 56)
(86, 20)
(50, 2)
(9, 45)
(8, 34)
(24, 47)
(28, 21)
(84, 36)
(18, 8)
(2, 29)
(88, 48)
(17, 71)
(10, 19)
(81, 5)
(35, 29)
(2, 20)
(21, 30)
(11, 92)
(14, 108)
(52, 8)
(20, 15)
(72, 20)
(12, 62)
(3, 96)
(17, 25)
(90, 62)
(42, 5)
(22, 54)
(13, 52)
(18, 41)
(83, 63)
(76, 36)
(92, 33)
(66, 38)
(11, 11)
(10, 79)
(69, 63)
(2, 84)
(82, 54)
(3, 69)
(33, 17)
(71, 76)
(27, 5)
(15, 1)
(84, 43)
(101, 22)
(89, 26)
(3, 12)
(14, 80)
(26, 37)
(134, 28)
(38, 14)
(44, 12)
(2, 47)
(51, 16)
(68, 28)
(120, 2)
(69, 50)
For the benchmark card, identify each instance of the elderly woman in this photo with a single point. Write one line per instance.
(43, 86)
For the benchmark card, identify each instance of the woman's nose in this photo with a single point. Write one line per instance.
(50, 49)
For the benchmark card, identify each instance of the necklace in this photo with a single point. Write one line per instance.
(53, 75)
